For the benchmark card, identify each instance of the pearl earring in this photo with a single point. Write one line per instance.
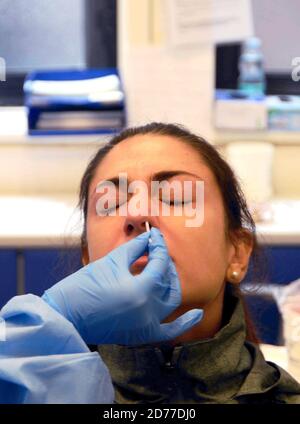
(235, 274)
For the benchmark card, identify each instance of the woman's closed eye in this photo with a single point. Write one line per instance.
(106, 205)
(176, 202)
(109, 205)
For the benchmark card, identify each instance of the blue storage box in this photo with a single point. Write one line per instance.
(75, 102)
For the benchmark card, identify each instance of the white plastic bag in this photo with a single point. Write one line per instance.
(288, 299)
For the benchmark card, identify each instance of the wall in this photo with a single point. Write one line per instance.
(161, 84)
(44, 169)
(177, 85)
(286, 171)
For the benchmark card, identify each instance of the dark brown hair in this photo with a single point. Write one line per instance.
(239, 222)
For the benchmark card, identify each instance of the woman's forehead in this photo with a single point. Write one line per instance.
(141, 156)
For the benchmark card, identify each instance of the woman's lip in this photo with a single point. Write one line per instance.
(139, 264)
(143, 260)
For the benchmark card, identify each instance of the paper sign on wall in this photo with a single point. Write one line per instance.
(196, 22)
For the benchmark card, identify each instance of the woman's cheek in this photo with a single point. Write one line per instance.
(201, 278)
(98, 243)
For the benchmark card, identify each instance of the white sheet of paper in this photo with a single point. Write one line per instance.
(196, 22)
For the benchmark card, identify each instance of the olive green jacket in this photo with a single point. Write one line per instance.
(223, 369)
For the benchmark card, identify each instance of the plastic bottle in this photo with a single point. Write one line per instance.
(251, 71)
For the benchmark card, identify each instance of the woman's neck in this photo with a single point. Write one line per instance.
(207, 327)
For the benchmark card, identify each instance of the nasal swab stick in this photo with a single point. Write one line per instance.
(148, 229)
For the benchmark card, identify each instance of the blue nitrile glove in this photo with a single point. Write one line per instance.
(107, 304)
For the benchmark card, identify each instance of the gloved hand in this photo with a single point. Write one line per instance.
(107, 304)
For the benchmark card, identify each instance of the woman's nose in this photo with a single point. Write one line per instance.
(137, 225)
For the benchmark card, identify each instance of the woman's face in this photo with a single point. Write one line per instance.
(201, 254)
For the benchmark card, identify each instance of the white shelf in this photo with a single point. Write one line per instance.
(53, 221)
(28, 221)
(13, 131)
(285, 138)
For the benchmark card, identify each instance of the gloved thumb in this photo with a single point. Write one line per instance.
(158, 256)
(180, 325)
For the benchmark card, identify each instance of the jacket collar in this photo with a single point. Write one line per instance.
(214, 370)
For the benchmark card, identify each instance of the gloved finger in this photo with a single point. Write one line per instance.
(173, 329)
(129, 252)
(172, 297)
(168, 288)
(174, 282)
(158, 259)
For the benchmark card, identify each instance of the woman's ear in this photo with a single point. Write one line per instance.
(242, 246)
(85, 256)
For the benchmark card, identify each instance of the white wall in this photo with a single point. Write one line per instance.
(162, 83)
(178, 86)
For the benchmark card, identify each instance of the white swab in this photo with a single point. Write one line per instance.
(148, 229)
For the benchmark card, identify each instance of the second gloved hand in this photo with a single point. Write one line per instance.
(107, 304)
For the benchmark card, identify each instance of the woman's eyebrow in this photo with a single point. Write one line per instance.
(157, 176)
(166, 175)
